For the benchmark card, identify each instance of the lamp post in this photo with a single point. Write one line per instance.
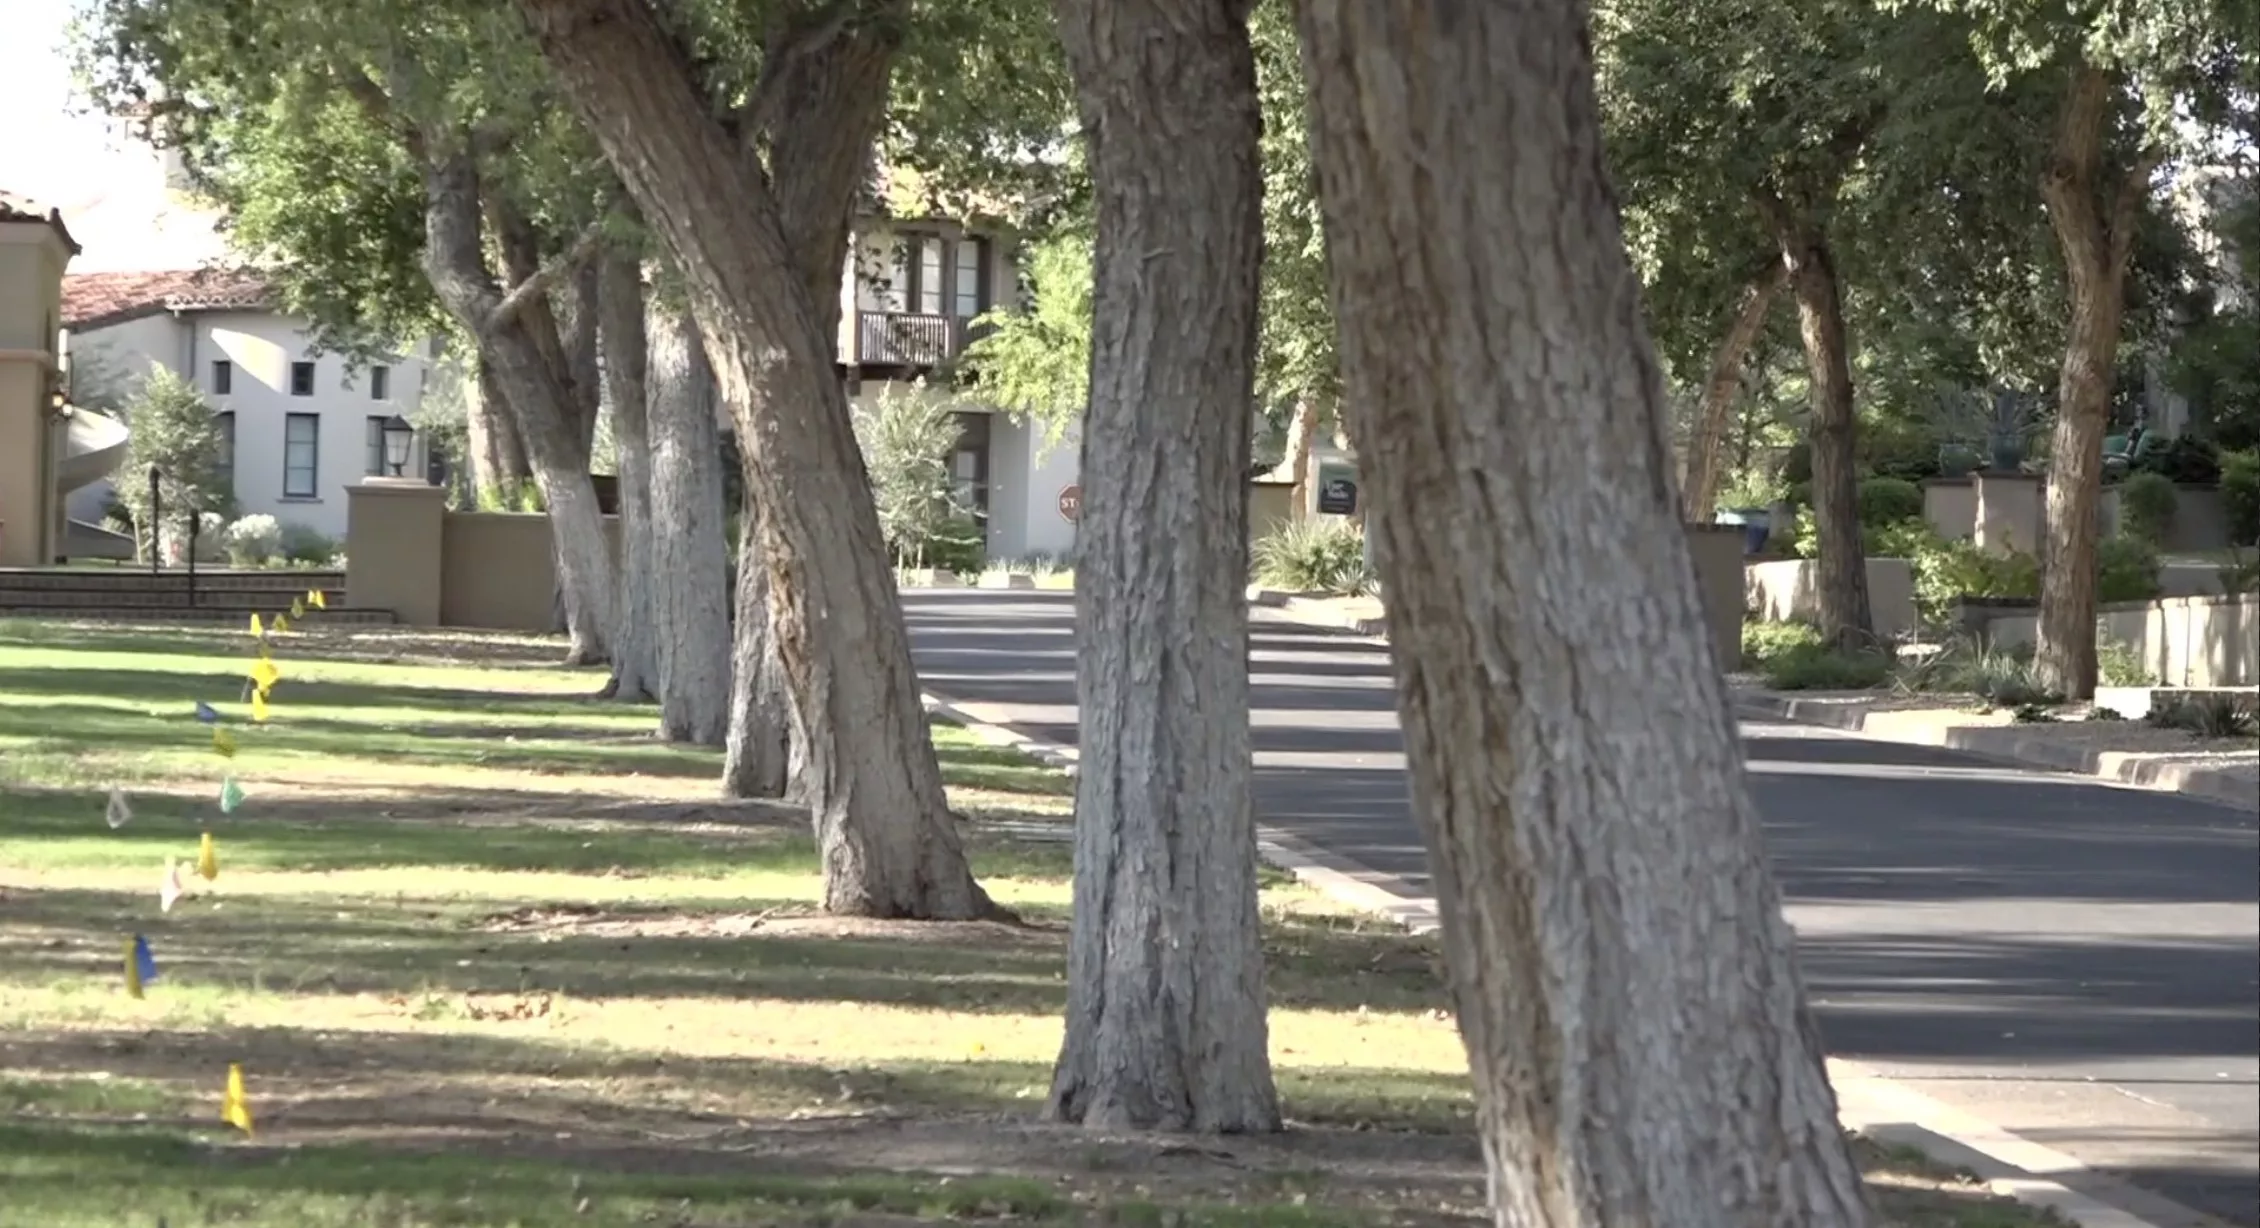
(399, 435)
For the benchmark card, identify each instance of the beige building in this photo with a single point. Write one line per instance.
(43, 452)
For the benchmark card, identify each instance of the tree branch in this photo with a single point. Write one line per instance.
(789, 44)
(562, 265)
(377, 105)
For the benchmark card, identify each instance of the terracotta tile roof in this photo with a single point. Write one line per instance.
(15, 208)
(91, 300)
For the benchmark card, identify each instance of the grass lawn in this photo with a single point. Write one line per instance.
(489, 955)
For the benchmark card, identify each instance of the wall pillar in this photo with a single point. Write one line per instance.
(394, 529)
(2010, 512)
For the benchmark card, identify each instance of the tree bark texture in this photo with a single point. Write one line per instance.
(690, 549)
(1624, 977)
(579, 325)
(2095, 224)
(766, 748)
(498, 458)
(533, 386)
(617, 307)
(1699, 491)
(1166, 1025)
(887, 839)
(1841, 607)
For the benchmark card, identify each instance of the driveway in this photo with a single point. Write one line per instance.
(2073, 962)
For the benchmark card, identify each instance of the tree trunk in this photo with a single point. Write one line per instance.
(498, 457)
(617, 307)
(690, 552)
(1302, 433)
(1165, 998)
(764, 755)
(888, 842)
(1841, 586)
(579, 323)
(1625, 980)
(1699, 492)
(2095, 225)
(532, 386)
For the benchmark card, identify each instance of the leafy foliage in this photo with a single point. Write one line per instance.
(2240, 496)
(2146, 507)
(1314, 555)
(907, 440)
(174, 431)
(1037, 362)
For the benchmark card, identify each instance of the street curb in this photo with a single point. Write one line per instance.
(1312, 612)
(2009, 1165)
(2142, 770)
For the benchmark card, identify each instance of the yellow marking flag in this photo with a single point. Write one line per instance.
(207, 858)
(133, 970)
(259, 706)
(282, 624)
(264, 675)
(256, 629)
(314, 598)
(298, 607)
(223, 742)
(235, 1107)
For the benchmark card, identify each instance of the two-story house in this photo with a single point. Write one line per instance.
(909, 297)
(298, 427)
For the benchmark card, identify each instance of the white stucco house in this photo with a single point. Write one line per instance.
(301, 426)
(909, 294)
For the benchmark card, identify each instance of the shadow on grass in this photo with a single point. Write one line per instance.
(711, 948)
(362, 644)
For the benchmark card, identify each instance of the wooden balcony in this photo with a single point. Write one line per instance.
(910, 339)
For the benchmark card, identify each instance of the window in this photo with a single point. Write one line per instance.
(225, 422)
(928, 283)
(972, 279)
(380, 383)
(302, 379)
(376, 464)
(302, 450)
(223, 377)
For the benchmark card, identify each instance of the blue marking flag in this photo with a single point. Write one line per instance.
(144, 963)
(205, 713)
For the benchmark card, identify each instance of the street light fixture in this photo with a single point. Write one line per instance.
(399, 436)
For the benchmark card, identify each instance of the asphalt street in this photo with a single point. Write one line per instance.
(2074, 962)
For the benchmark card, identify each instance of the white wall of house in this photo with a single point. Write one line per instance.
(878, 275)
(302, 482)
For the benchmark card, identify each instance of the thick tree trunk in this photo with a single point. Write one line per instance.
(1165, 997)
(888, 842)
(2095, 225)
(1699, 491)
(1841, 607)
(1625, 979)
(617, 307)
(691, 596)
(764, 754)
(532, 386)
(498, 457)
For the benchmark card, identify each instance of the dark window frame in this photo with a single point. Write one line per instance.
(313, 488)
(302, 387)
(223, 377)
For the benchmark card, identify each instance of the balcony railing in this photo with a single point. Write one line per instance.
(910, 338)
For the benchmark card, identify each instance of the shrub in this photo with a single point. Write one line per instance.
(306, 546)
(1317, 555)
(1813, 667)
(1763, 641)
(2003, 678)
(254, 540)
(2240, 496)
(907, 440)
(2119, 665)
(1946, 571)
(2185, 460)
(210, 530)
(2126, 570)
(1888, 501)
(2146, 507)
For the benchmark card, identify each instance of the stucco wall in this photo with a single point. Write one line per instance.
(261, 346)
